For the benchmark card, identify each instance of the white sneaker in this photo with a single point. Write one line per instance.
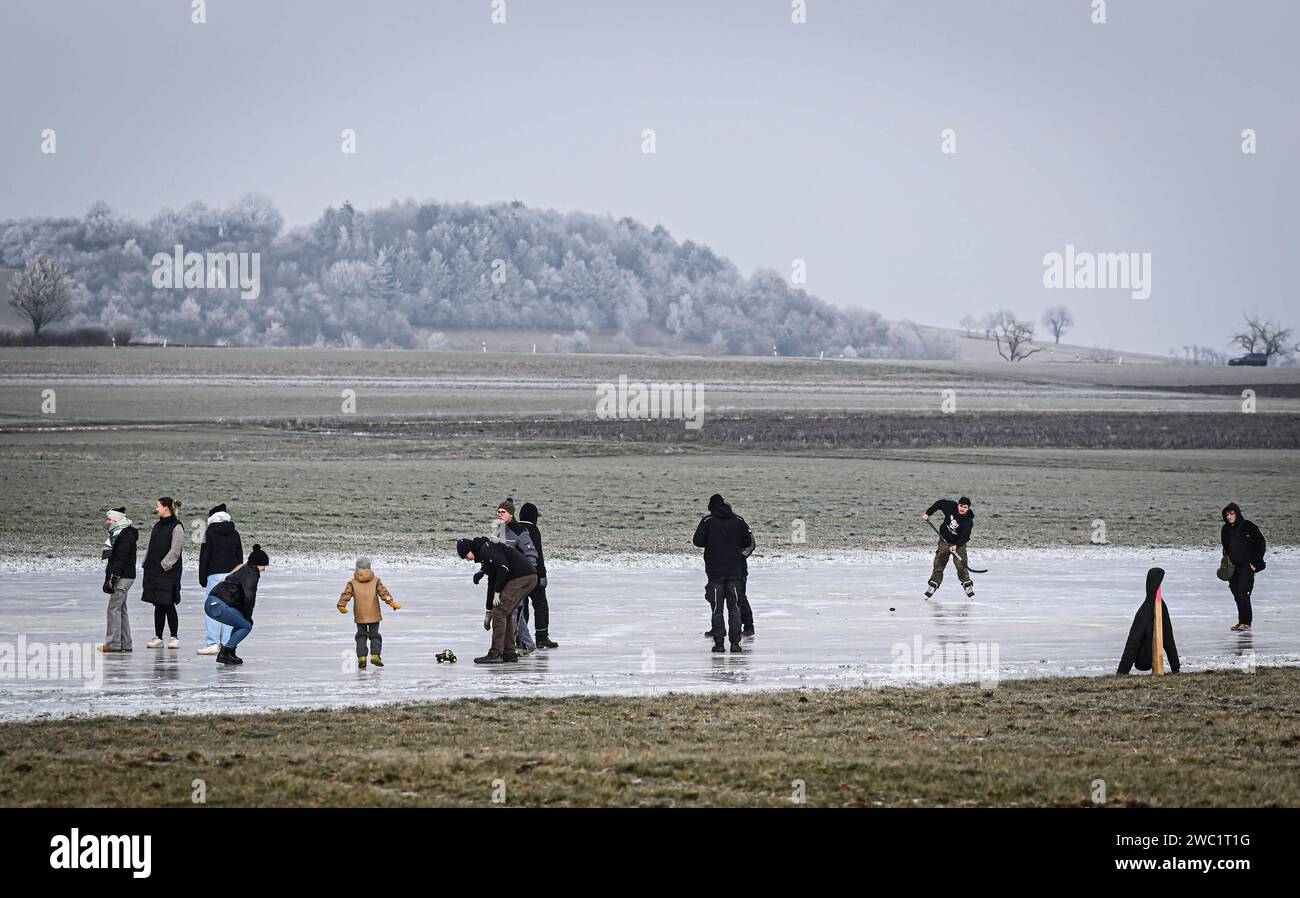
(210, 649)
(174, 644)
(155, 643)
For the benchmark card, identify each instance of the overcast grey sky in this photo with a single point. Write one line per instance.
(775, 141)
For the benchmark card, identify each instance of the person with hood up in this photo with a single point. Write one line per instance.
(232, 600)
(1243, 548)
(119, 575)
(162, 567)
(221, 553)
(541, 606)
(510, 531)
(958, 520)
(367, 589)
(1141, 635)
(511, 577)
(724, 536)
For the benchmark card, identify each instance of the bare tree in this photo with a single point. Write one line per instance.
(1103, 355)
(1058, 320)
(1202, 355)
(40, 293)
(1266, 336)
(970, 324)
(1018, 335)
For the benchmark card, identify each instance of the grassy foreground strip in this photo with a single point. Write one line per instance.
(1187, 740)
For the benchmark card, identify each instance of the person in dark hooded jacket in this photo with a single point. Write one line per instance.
(1243, 546)
(541, 606)
(954, 534)
(511, 577)
(222, 551)
(1141, 636)
(724, 536)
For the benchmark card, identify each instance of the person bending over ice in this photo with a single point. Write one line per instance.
(511, 577)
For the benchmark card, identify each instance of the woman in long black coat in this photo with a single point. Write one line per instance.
(162, 571)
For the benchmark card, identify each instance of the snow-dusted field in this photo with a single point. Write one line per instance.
(634, 626)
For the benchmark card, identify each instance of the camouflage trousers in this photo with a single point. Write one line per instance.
(941, 556)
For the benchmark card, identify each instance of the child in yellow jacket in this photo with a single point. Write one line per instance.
(367, 589)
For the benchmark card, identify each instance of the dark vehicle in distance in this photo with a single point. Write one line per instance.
(1254, 359)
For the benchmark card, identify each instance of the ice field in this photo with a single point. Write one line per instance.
(636, 628)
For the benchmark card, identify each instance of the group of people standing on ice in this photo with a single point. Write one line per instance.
(229, 579)
(512, 560)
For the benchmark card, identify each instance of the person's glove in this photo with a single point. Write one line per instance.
(343, 609)
(394, 605)
(109, 580)
(478, 577)
(541, 581)
(487, 621)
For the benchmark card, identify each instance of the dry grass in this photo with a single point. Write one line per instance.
(1200, 739)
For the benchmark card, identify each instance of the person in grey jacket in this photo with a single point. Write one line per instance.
(516, 534)
(119, 575)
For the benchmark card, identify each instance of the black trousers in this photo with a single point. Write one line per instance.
(1242, 585)
(369, 632)
(541, 610)
(164, 614)
(746, 613)
(723, 594)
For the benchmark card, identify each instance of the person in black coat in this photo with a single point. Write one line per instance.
(232, 600)
(1141, 636)
(119, 574)
(541, 605)
(1243, 546)
(162, 571)
(511, 577)
(222, 551)
(724, 536)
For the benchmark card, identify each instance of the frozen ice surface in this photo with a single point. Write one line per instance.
(634, 627)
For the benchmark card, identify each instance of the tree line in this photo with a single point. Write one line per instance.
(401, 276)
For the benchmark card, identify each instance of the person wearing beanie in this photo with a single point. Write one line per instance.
(1243, 550)
(541, 605)
(514, 533)
(119, 574)
(511, 577)
(232, 600)
(958, 519)
(1139, 649)
(368, 590)
(724, 536)
(162, 568)
(222, 551)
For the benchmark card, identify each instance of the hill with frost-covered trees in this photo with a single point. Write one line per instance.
(408, 275)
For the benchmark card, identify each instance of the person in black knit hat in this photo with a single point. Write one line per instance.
(231, 602)
(724, 536)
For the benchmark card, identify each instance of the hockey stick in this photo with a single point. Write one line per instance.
(973, 570)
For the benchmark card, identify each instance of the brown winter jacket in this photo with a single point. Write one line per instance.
(367, 589)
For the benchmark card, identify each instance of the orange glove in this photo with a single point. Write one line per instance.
(394, 605)
(343, 609)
